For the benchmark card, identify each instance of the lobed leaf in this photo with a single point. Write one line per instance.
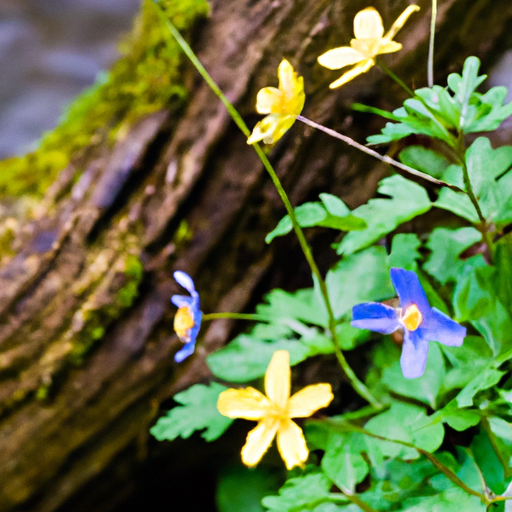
(198, 411)
(330, 213)
(406, 201)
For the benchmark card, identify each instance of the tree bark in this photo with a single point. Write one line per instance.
(86, 340)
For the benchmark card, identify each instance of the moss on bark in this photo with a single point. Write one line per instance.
(146, 78)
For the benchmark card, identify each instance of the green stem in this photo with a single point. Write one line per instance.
(357, 501)
(430, 64)
(383, 158)
(461, 151)
(235, 316)
(359, 387)
(392, 75)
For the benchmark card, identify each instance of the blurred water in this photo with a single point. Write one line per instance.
(50, 50)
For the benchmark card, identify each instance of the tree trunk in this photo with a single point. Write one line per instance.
(86, 340)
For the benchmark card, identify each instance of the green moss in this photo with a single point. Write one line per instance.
(96, 319)
(145, 79)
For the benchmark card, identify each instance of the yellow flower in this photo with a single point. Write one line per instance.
(273, 412)
(369, 42)
(282, 105)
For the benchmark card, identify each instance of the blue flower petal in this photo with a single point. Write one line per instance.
(186, 351)
(409, 289)
(376, 317)
(182, 300)
(192, 303)
(194, 331)
(437, 326)
(186, 281)
(414, 355)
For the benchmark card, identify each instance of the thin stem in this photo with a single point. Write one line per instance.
(430, 64)
(235, 316)
(392, 75)
(461, 150)
(358, 386)
(357, 501)
(382, 158)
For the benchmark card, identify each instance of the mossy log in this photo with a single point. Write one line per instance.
(86, 340)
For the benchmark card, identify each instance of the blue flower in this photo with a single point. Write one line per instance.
(187, 321)
(420, 322)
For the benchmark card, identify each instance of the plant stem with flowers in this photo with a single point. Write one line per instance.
(429, 360)
(358, 386)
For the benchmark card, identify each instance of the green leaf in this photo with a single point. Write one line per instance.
(302, 305)
(461, 419)
(445, 502)
(343, 462)
(404, 251)
(406, 201)
(334, 205)
(240, 488)
(391, 132)
(434, 112)
(503, 264)
(446, 245)
(500, 434)
(492, 112)
(246, 358)
(394, 481)
(300, 493)
(425, 388)
(483, 380)
(475, 300)
(440, 101)
(331, 507)
(349, 337)
(464, 86)
(319, 214)
(358, 278)
(198, 410)
(468, 360)
(425, 160)
(457, 203)
(488, 171)
(488, 462)
(404, 422)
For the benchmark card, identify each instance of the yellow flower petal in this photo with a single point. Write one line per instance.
(269, 100)
(308, 400)
(357, 70)
(386, 46)
(258, 441)
(340, 57)
(281, 127)
(278, 378)
(283, 105)
(246, 403)
(368, 47)
(292, 87)
(368, 24)
(288, 79)
(291, 444)
(400, 21)
(271, 128)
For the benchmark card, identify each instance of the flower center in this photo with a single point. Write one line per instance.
(183, 321)
(412, 318)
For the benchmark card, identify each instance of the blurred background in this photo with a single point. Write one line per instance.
(50, 50)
